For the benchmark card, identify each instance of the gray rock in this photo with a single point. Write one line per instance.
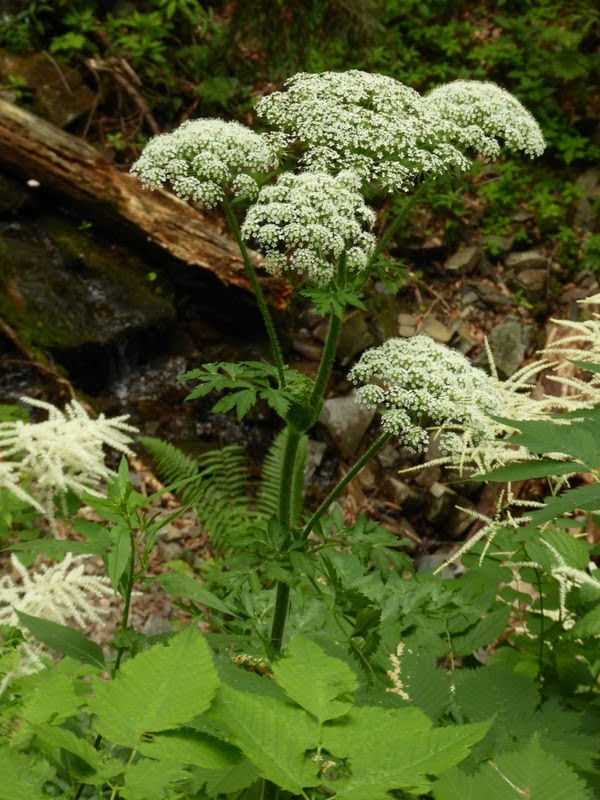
(355, 337)
(346, 422)
(439, 503)
(437, 330)
(464, 260)
(508, 343)
(531, 259)
(402, 495)
(533, 282)
(407, 325)
(389, 455)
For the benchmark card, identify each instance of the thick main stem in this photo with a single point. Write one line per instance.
(285, 520)
(258, 292)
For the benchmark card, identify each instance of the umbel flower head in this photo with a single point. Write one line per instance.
(306, 221)
(65, 452)
(389, 133)
(206, 160)
(420, 383)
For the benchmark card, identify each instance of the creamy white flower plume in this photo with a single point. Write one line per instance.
(305, 222)
(206, 160)
(61, 593)
(387, 132)
(66, 452)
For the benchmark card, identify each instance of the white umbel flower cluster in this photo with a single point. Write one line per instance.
(388, 133)
(61, 593)
(65, 452)
(305, 222)
(419, 383)
(207, 160)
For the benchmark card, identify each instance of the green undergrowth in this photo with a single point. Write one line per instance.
(206, 59)
(392, 683)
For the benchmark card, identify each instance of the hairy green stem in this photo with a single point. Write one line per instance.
(339, 488)
(258, 293)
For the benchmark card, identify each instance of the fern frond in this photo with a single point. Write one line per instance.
(219, 494)
(173, 465)
(268, 493)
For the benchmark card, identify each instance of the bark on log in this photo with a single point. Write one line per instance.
(71, 168)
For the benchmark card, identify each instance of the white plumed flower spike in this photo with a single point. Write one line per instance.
(65, 452)
(388, 133)
(207, 160)
(305, 222)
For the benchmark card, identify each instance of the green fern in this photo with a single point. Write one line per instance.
(219, 494)
(268, 493)
(172, 464)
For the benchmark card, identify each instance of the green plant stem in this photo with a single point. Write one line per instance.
(327, 359)
(127, 597)
(285, 520)
(339, 488)
(258, 292)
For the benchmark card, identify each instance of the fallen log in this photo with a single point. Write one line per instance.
(69, 167)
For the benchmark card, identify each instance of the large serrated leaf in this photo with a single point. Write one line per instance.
(191, 747)
(148, 780)
(52, 694)
(388, 749)
(56, 737)
(159, 689)
(22, 776)
(273, 734)
(528, 773)
(315, 680)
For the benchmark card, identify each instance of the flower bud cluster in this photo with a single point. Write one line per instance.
(306, 221)
(419, 383)
(206, 160)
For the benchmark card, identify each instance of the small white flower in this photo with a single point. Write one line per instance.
(387, 132)
(421, 383)
(305, 222)
(205, 160)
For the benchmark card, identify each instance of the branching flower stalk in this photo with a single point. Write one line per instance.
(352, 130)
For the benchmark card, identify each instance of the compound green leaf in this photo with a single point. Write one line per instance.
(528, 773)
(273, 734)
(147, 780)
(55, 737)
(22, 776)
(159, 689)
(190, 747)
(315, 680)
(390, 749)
